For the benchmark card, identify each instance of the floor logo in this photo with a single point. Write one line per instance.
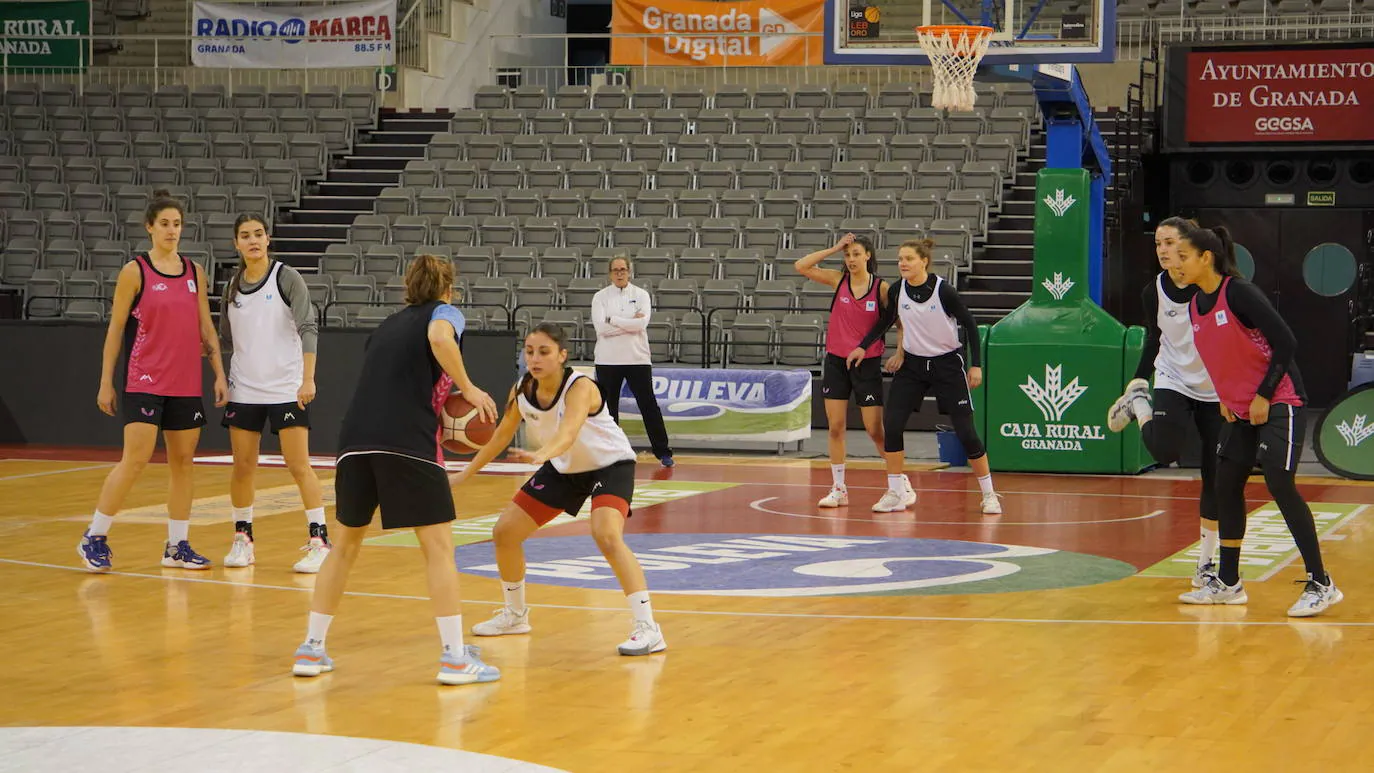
(805, 565)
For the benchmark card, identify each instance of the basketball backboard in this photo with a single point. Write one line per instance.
(1026, 31)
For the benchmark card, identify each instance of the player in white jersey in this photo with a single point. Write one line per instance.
(930, 360)
(1183, 392)
(583, 454)
(268, 326)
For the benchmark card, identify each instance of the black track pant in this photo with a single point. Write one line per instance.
(943, 377)
(641, 381)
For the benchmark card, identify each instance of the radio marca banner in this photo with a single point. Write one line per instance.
(743, 34)
(755, 406)
(42, 35)
(338, 35)
(1298, 94)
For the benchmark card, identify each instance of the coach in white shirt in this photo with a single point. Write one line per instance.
(621, 314)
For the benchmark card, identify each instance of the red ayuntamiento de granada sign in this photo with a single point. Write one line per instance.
(1281, 95)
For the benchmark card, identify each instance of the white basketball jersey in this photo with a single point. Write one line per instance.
(600, 443)
(1178, 366)
(265, 368)
(927, 331)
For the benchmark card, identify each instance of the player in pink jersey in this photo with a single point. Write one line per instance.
(1248, 351)
(165, 296)
(859, 298)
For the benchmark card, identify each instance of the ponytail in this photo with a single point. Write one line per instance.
(1218, 242)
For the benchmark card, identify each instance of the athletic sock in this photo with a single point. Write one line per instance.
(451, 633)
(640, 607)
(1210, 540)
(1230, 565)
(985, 483)
(243, 520)
(898, 483)
(100, 524)
(316, 515)
(514, 593)
(837, 475)
(318, 628)
(178, 531)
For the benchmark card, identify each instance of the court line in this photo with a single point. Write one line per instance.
(758, 504)
(1295, 554)
(726, 613)
(54, 472)
(924, 489)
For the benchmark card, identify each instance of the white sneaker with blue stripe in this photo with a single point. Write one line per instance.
(466, 669)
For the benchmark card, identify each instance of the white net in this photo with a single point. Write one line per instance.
(954, 55)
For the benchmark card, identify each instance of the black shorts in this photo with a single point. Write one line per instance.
(1276, 444)
(549, 492)
(169, 413)
(865, 381)
(411, 492)
(253, 417)
(942, 377)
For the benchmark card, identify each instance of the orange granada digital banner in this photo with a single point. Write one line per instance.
(745, 34)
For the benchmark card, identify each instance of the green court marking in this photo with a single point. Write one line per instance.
(647, 494)
(1268, 545)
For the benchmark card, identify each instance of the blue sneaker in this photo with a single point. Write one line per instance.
(467, 669)
(95, 552)
(311, 661)
(181, 556)
(666, 461)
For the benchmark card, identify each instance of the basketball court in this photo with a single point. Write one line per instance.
(799, 639)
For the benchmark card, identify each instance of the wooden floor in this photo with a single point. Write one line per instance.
(879, 643)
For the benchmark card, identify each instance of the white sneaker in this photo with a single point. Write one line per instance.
(504, 623)
(1202, 572)
(1315, 598)
(316, 551)
(1214, 591)
(645, 639)
(893, 501)
(1121, 413)
(992, 503)
(241, 552)
(838, 497)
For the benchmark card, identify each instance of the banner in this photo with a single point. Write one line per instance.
(755, 406)
(761, 33)
(1298, 94)
(1345, 437)
(42, 35)
(273, 37)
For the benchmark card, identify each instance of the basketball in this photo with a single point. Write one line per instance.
(464, 431)
(872, 15)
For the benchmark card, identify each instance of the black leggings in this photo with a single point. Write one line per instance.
(1278, 447)
(944, 377)
(1165, 434)
(641, 381)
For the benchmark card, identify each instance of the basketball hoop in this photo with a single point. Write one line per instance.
(955, 51)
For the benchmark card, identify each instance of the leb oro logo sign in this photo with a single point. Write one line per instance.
(1345, 436)
(1053, 397)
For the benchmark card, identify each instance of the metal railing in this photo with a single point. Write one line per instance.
(173, 69)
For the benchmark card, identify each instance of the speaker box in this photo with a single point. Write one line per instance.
(1198, 180)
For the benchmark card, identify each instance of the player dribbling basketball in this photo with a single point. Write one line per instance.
(583, 454)
(391, 459)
